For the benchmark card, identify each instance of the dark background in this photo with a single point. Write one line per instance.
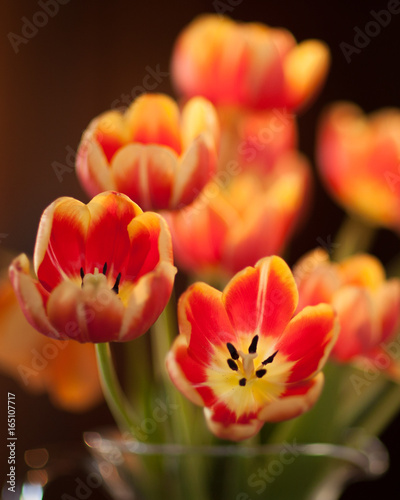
(89, 55)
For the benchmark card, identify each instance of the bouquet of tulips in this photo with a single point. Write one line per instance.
(206, 193)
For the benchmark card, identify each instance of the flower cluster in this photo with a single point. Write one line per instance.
(224, 188)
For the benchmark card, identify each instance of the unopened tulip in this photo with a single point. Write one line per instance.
(249, 65)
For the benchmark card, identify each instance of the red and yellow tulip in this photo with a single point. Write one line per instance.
(104, 269)
(158, 156)
(358, 158)
(244, 356)
(67, 371)
(367, 304)
(232, 226)
(249, 65)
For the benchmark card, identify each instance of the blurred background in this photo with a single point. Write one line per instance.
(92, 56)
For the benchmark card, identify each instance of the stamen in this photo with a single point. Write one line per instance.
(232, 351)
(82, 273)
(253, 345)
(242, 382)
(232, 365)
(261, 373)
(115, 288)
(105, 268)
(270, 359)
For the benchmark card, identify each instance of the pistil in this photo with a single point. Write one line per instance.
(244, 363)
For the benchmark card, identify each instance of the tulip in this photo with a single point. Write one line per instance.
(104, 270)
(367, 304)
(158, 156)
(358, 158)
(247, 64)
(244, 356)
(234, 223)
(67, 371)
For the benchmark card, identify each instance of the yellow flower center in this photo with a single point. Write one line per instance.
(244, 362)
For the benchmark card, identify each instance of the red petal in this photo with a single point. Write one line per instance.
(146, 300)
(32, 297)
(108, 237)
(150, 243)
(232, 430)
(261, 299)
(187, 374)
(308, 340)
(359, 322)
(296, 400)
(60, 244)
(146, 174)
(203, 320)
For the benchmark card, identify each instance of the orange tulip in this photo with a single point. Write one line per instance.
(249, 65)
(233, 225)
(104, 270)
(66, 370)
(368, 305)
(244, 356)
(358, 158)
(158, 156)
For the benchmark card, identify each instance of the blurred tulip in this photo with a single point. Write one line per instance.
(255, 139)
(244, 357)
(358, 158)
(368, 305)
(66, 370)
(158, 156)
(248, 65)
(105, 270)
(237, 221)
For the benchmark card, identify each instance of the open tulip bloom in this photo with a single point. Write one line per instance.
(104, 269)
(243, 355)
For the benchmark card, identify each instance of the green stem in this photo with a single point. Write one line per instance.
(383, 411)
(354, 236)
(116, 400)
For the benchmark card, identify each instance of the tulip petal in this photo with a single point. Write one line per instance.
(232, 431)
(359, 322)
(197, 167)
(362, 270)
(203, 320)
(187, 374)
(305, 68)
(147, 300)
(308, 340)
(154, 119)
(108, 238)
(261, 299)
(146, 174)
(295, 401)
(32, 297)
(60, 244)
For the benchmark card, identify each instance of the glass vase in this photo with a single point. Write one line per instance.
(307, 471)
